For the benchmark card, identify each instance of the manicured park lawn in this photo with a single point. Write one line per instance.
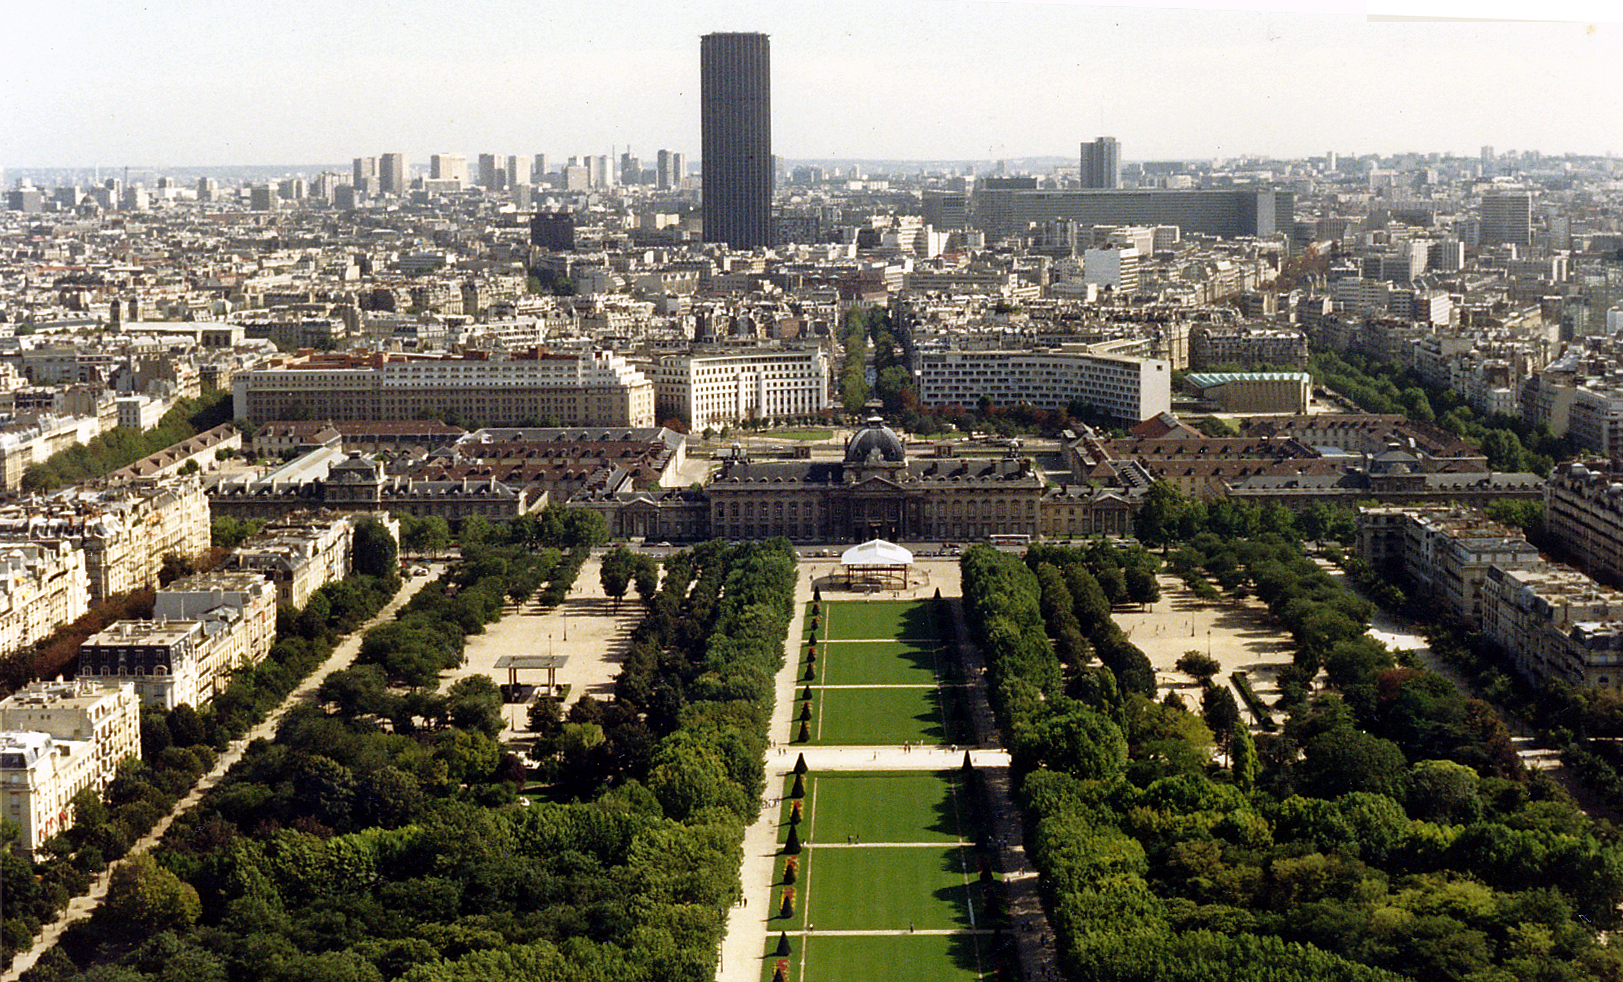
(876, 663)
(908, 620)
(883, 888)
(891, 958)
(875, 716)
(800, 434)
(877, 806)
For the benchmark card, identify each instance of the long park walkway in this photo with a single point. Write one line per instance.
(343, 654)
(895, 712)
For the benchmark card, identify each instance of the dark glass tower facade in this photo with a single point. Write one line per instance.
(1101, 163)
(735, 117)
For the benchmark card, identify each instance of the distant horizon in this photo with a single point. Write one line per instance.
(1036, 160)
(910, 80)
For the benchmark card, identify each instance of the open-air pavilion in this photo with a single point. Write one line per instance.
(884, 565)
(528, 663)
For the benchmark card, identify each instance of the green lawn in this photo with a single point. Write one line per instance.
(799, 434)
(861, 620)
(904, 958)
(876, 663)
(882, 888)
(874, 716)
(898, 806)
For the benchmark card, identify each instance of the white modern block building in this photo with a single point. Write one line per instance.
(1129, 389)
(716, 389)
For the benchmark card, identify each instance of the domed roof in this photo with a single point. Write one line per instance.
(875, 437)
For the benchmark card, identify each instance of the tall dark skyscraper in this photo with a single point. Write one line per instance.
(735, 117)
(1101, 163)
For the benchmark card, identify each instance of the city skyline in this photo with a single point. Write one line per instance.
(900, 79)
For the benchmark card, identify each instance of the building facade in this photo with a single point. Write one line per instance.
(1583, 511)
(1101, 163)
(875, 492)
(108, 717)
(40, 774)
(1129, 389)
(735, 117)
(588, 389)
(723, 389)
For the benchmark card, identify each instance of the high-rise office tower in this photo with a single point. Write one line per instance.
(1507, 218)
(366, 173)
(448, 167)
(630, 168)
(538, 169)
(662, 170)
(513, 176)
(735, 117)
(1101, 163)
(487, 172)
(392, 173)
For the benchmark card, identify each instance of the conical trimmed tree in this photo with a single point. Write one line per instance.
(817, 594)
(968, 764)
(805, 694)
(798, 789)
(800, 764)
(796, 812)
(805, 711)
(811, 671)
(783, 945)
(804, 736)
(791, 847)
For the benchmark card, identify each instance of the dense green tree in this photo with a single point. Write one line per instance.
(1198, 665)
(143, 896)
(475, 703)
(1243, 754)
(429, 535)
(616, 570)
(1345, 759)
(374, 551)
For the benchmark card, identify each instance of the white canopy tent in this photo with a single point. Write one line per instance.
(883, 564)
(876, 553)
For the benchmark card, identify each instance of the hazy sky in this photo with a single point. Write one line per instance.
(198, 82)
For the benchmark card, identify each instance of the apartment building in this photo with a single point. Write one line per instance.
(1129, 389)
(125, 531)
(1211, 346)
(1583, 511)
(726, 388)
(40, 775)
(1444, 552)
(1556, 623)
(42, 586)
(596, 388)
(239, 614)
(299, 554)
(1595, 420)
(1552, 621)
(107, 716)
(162, 660)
